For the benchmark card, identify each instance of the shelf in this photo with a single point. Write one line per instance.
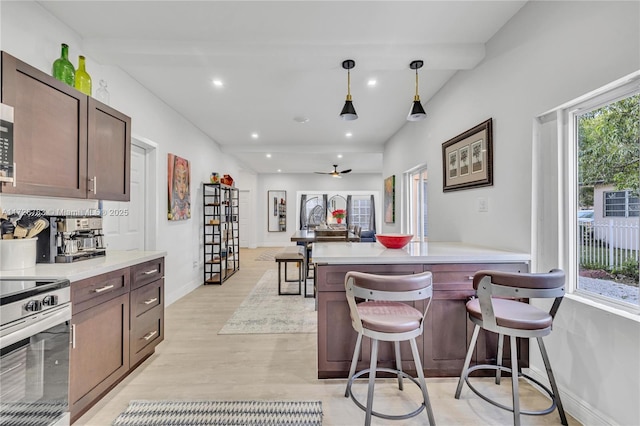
(220, 232)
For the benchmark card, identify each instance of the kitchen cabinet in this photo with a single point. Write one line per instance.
(117, 321)
(99, 355)
(147, 309)
(447, 331)
(66, 144)
(221, 240)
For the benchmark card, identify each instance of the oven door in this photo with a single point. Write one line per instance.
(34, 370)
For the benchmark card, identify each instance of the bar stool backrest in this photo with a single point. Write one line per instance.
(389, 288)
(490, 284)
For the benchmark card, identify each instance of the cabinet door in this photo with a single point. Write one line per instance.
(108, 153)
(99, 352)
(50, 132)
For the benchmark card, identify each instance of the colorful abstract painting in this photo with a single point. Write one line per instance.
(389, 199)
(178, 179)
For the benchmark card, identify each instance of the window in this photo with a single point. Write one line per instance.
(621, 204)
(361, 211)
(607, 155)
(417, 211)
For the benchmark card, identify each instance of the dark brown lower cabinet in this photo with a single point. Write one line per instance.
(118, 320)
(447, 331)
(99, 351)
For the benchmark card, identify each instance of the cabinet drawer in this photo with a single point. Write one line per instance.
(460, 276)
(146, 298)
(147, 272)
(99, 289)
(147, 331)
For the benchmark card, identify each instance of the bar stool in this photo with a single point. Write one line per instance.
(384, 317)
(495, 311)
(295, 255)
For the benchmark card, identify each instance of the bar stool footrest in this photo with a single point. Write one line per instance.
(382, 415)
(520, 375)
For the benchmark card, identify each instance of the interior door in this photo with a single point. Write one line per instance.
(124, 221)
(243, 217)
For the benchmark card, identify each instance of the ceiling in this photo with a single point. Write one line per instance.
(280, 63)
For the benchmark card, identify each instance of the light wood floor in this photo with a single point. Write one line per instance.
(195, 363)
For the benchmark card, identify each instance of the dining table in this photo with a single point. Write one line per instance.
(309, 236)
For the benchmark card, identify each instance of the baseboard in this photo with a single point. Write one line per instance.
(573, 405)
(180, 292)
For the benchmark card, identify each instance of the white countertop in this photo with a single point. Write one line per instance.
(85, 268)
(430, 252)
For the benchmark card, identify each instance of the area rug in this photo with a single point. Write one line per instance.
(192, 413)
(268, 256)
(264, 312)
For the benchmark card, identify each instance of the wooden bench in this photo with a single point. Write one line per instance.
(292, 254)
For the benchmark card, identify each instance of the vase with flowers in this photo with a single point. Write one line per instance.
(338, 215)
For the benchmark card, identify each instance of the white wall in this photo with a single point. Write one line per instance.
(31, 34)
(291, 183)
(549, 53)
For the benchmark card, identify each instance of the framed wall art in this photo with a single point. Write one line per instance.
(178, 182)
(467, 159)
(389, 199)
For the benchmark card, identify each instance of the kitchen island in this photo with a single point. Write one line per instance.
(447, 331)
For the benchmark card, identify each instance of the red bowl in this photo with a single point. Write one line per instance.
(394, 241)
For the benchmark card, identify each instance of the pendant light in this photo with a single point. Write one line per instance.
(417, 112)
(348, 111)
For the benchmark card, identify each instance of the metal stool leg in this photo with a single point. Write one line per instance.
(552, 381)
(499, 359)
(467, 360)
(372, 380)
(398, 364)
(514, 381)
(423, 383)
(354, 361)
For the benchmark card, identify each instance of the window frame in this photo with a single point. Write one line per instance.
(565, 153)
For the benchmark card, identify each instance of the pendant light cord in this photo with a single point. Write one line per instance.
(348, 84)
(417, 97)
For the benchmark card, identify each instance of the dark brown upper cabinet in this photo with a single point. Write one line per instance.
(66, 144)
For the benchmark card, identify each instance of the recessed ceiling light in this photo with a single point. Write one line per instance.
(300, 119)
(372, 82)
(217, 83)
(254, 135)
(279, 170)
(348, 134)
(268, 155)
(339, 155)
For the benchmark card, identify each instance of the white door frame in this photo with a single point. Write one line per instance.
(151, 191)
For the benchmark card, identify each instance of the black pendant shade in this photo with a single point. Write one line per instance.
(348, 111)
(417, 112)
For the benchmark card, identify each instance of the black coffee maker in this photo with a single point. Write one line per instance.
(71, 239)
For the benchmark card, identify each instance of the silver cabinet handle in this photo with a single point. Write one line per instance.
(73, 336)
(150, 335)
(470, 277)
(150, 301)
(153, 271)
(101, 289)
(15, 175)
(95, 184)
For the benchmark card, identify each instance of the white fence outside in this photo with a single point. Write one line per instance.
(610, 242)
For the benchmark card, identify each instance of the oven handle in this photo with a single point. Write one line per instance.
(38, 323)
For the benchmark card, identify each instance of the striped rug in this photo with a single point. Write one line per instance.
(246, 413)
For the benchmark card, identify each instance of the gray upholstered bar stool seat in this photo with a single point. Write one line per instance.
(497, 310)
(383, 316)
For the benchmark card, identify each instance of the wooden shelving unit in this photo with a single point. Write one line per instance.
(221, 232)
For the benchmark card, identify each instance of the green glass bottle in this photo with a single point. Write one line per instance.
(83, 79)
(63, 69)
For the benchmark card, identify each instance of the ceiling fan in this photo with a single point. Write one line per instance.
(335, 173)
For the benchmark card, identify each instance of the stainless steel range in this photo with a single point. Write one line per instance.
(35, 318)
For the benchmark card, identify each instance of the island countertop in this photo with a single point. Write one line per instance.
(428, 252)
(86, 268)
